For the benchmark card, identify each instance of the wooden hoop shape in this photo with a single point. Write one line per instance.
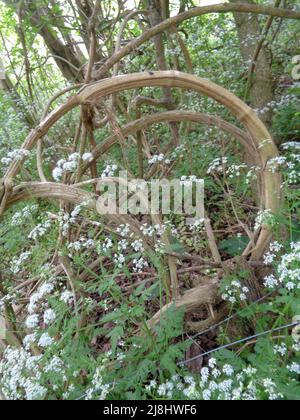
(174, 79)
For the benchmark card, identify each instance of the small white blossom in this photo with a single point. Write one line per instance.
(49, 316)
(45, 340)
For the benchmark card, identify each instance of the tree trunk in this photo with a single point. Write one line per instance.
(261, 91)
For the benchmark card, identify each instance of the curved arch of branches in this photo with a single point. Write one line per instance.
(255, 128)
(194, 12)
(175, 116)
(255, 138)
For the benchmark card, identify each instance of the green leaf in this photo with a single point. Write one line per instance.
(234, 246)
(115, 335)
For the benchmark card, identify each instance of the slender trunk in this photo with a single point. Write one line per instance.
(261, 89)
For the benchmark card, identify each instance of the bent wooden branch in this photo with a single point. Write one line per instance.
(191, 300)
(176, 116)
(194, 12)
(256, 129)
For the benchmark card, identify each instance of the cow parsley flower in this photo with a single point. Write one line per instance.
(22, 216)
(138, 246)
(294, 368)
(28, 340)
(139, 265)
(119, 260)
(235, 291)
(87, 157)
(271, 281)
(55, 365)
(265, 217)
(156, 159)
(40, 230)
(98, 388)
(228, 370)
(67, 297)
(32, 321)
(49, 316)
(57, 174)
(63, 166)
(45, 340)
(281, 349)
(15, 155)
(217, 165)
(109, 171)
(17, 262)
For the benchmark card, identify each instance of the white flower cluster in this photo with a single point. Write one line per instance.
(217, 384)
(32, 321)
(198, 225)
(87, 157)
(65, 220)
(98, 390)
(289, 268)
(235, 171)
(39, 303)
(292, 164)
(281, 349)
(157, 231)
(17, 262)
(40, 230)
(80, 245)
(64, 166)
(252, 174)
(109, 171)
(217, 165)
(271, 282)
(49, 316)
(55, 365)
(20, 217)
(291, 145)
(283, 101)
(105, 247)
(296, 344)
(275, 163)
(189, 180)
(159, 159)
(45, 290)
(150, 230)
(294, 368)
(7, 299)
(28, 340)
(17, 154)
(45, 341)
(270, 256)
(20, 376)
(288, 271)
(235, 292)
(264, 217)
(67, 297)
(138, 246)
(179, 152)
(124, 231)
(139, 265)
(119, 260)
(77, 210)
(124, 246)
